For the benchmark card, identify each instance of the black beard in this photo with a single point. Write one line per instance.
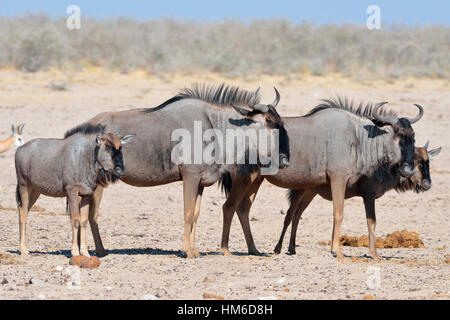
(104, 178)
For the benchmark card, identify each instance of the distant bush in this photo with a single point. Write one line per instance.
(230, 47)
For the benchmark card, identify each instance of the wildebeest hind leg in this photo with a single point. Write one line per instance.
(295, 200)
(243, 213)
(74, 209)
(304, 203)
(338, 186)
(23, 195)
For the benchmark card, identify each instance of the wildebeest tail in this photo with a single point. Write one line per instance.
(225, 183)
(291, 194)
(18, 197)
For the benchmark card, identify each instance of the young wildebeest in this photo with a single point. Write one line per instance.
(334, 145)
(148, 158)
(14, 140)
(71, 167)
(369, 188)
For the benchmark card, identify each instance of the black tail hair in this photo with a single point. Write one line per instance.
(18, 197)
(291, 194)
(225, 183)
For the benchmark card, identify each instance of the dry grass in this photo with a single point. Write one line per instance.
(231, 47)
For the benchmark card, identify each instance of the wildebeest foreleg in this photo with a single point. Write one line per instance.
(369, 204)
(84, 212)
(338, 185)
(243, 211)
(93, 221)
(304, 203)
(190, 194)
(74, 209)
(295, 200)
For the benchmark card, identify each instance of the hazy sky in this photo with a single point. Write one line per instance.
(415, 12)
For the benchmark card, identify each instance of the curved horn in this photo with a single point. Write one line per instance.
(277, 99)
(389, 119)
(419, 116)
(261, 107)
(12, 128)
(20, 128)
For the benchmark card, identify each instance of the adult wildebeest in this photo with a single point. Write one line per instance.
(14, 140)
(369, 188)
(334, 145)
(72, 167)
(149, 158)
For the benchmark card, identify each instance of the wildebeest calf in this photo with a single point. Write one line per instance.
(72, 167)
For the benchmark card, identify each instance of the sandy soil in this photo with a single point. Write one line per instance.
(142, 227)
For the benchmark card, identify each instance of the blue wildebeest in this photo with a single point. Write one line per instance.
(72, 167)
(333, 146)
(369, 188)
(149, 158)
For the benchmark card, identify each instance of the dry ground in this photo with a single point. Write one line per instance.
(142, 227)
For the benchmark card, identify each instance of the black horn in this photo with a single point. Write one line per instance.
(378, 115)
(277, 99)
(20, 128)
(419, 116)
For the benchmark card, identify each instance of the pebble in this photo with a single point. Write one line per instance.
(37, 282)
(149, 297)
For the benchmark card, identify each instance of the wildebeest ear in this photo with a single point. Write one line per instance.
(433, 153)
(98, 140)
(127, 138)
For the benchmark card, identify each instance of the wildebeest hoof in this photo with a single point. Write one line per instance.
(75, 253)
(291, 252)
(277, 250)
(101, 253)
(226, 252)
(85, 253)
(255, 253)
(338, 255)
(24, 252)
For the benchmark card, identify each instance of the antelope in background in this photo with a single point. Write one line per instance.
(14, 140)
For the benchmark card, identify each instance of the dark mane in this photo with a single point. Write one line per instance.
(221, 95)
(85, 129)
(361, 110)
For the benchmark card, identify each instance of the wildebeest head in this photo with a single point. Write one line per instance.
(109, 153)
(420, 181)
(403, 132)
(269, 117)
(17, 134)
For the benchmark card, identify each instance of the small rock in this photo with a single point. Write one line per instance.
(37, 282)
(4, 281)
(281, 280)
(149, 297)
(59, 268)
(84, 262)
(447, 260)
(282, 212)
(368, 297)
(108, 288)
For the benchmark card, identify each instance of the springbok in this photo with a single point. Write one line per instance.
(15, 139)
(333, 146)
(72, 167)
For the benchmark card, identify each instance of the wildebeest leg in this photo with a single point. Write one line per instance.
(84, 211)
(74, 209)
(338, 185)
(28, 197)
(369, 204)
(238, 191)
(243, 213)
(304, 203)
(297, 196)
(93, 221)
(190, 193)
(198, 202)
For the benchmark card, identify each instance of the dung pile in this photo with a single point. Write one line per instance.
(84, 262)
(398, 239)
(7, 259)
